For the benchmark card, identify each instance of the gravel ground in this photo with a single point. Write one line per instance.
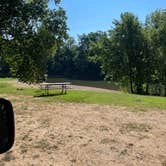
(72, 134)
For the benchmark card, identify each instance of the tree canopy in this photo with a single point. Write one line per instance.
(30, 32)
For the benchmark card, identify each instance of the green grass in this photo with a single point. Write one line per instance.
(7, 88)
(136, 102)
(6, 79)
(118, 99)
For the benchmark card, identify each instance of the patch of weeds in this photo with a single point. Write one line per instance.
(144, 137)
(114, 149)
(45, 145)
(103, 128)
(23, 148)
(25, 108)
(19, 89)
(106, 141)
(25, 137)
(138, 109)
(36, 156)
(113, 140)
(73, 160)
(124, 152)
(8, 157)
(42, 144)
(164, 163)
(130, 145)
(45, 122)
(135, 127)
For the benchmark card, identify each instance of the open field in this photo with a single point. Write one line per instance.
(10, 86)
(73, 130)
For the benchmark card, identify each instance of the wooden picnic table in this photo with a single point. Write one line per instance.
(63, 85)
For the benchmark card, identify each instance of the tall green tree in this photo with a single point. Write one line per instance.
(62, 64)
(150, 61)
(125, 55)
(157, 22)
(87, 59)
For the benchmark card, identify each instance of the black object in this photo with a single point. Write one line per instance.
(7, 129)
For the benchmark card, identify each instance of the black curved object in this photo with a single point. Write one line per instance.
(7, 127)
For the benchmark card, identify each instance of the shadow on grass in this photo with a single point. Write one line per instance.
(49, 95)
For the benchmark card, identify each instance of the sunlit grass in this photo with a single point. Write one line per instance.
(117, 98)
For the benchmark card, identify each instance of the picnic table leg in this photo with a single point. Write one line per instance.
(62, 89)
(65, 89)
(47, 90)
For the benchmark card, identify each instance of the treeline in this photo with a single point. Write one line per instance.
(131, 54)
(76, 59)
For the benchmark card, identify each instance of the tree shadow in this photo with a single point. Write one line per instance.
(50, 95)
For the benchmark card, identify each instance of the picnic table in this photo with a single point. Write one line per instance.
(63, 86)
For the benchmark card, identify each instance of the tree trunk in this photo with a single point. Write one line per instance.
(139, 89)
(131, 85)
(147, 88)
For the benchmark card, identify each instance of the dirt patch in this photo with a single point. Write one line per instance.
(86, 88)
(70, 134)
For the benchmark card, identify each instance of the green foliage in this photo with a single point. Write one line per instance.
(4, 68)
(77, 60)
(33, 38)
(125, 53)
(130, 54)
(30, 33)
(133, 55)
(157, 22)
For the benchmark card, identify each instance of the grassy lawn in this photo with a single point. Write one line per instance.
(119, 98)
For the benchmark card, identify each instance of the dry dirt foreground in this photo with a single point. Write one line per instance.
(70, 134)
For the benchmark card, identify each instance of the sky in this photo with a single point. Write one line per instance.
(86, 16)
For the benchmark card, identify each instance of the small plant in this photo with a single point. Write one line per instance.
(135, 127)
(124, 152)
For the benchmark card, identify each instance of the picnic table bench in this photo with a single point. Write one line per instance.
(63, 86)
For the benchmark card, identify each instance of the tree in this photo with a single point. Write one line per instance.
(30, 33)
(151, 61)
(4, 68)
(125, 54)
(62, 63)
(157, 22)
(87, 58)
(78, 60)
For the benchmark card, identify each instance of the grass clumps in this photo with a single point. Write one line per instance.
(135, 127)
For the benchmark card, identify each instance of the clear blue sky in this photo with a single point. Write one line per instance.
(86, 16)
